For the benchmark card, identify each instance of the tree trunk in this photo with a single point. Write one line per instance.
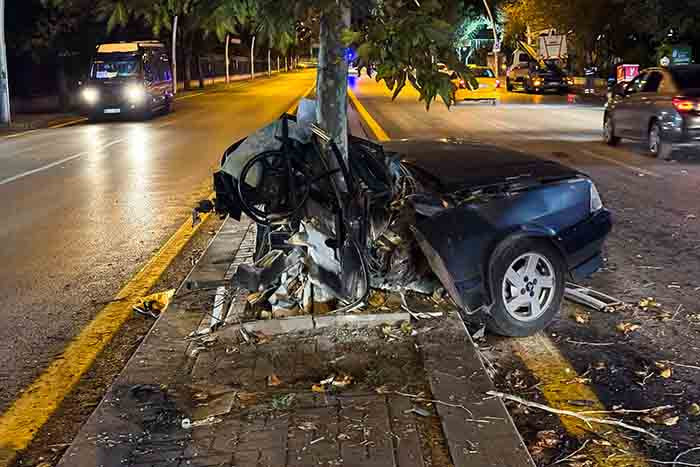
(286, 63)
(331, 85)
(62, 82)
(252, 58)
(278, 64)
(4, 83)
(187, 75)
(200, 75)
(269, 63)
(227, 61)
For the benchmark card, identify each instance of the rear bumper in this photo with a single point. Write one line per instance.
(583, 242)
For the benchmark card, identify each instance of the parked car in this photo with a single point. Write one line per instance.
(501, 231)
(661, 106)
(128, 78)
(486, 81)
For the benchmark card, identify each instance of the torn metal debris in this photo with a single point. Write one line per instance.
(332, 228)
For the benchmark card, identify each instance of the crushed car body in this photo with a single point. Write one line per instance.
(499, 230)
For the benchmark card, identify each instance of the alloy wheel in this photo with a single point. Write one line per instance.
(528, 287)
(654, 139)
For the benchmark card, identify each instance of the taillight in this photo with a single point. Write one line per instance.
(498, 83)
(462, 84)
(683, 104)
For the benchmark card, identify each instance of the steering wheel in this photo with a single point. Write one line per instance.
(282, 187)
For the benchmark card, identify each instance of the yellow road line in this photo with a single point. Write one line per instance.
(555, 374)
(23, 419)
(378, 131)
(560, 385)
(71, 122)
(20, 423)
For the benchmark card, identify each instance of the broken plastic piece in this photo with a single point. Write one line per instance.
(589, 297)
(153, 305)
(263, 272)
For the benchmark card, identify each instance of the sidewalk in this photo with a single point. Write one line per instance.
(351, 390)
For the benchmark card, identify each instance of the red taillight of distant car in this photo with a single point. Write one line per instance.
(462, 84)
(683, 104)
(498, 83)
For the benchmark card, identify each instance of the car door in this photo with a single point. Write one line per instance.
(647, 105)
(625, 108)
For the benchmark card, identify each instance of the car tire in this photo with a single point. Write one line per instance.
(609, 136)
(656, 144)
(526, 279)
(509, 87)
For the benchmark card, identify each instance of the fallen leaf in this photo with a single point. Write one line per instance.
(548, 438)
(406, 328)
(649, 420)
(343, 437)
(273, 380)
(602, 442)
(342, 381)
(307, 426)
(317, 388)
(694, 409)
(627, 328)
(376, 299)
(582, 318)
(670, 421)
(665, 373)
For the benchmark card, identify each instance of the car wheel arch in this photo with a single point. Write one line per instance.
(535, 232)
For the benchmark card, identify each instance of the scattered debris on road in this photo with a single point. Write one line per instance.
(153, 305)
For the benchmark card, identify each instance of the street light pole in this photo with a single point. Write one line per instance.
(496, 47)
(4, 84)
(173, 59)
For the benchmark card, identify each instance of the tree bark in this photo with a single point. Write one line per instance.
(62, 82)
(269, 63)
(278, 64)
(200, 75)
(331, 85)
(187, 72)
(4, 80)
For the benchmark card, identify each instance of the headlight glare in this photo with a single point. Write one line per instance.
(90, 95)
(135, 93)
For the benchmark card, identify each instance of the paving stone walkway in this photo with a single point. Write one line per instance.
(333, 396)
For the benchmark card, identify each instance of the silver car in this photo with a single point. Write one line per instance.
(661, 106)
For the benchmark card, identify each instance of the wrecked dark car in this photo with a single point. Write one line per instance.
(498, 230)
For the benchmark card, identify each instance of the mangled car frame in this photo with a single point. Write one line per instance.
(499, 230)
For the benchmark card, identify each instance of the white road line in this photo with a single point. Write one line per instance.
(71, 122)
(54, 164)
(621, 164)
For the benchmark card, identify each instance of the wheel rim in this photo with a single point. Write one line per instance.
(654, 139)
(529, 287)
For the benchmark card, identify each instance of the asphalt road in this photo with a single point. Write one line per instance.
(654, 250)
(84, 207)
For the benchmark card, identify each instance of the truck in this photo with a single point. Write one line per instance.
(533, 71)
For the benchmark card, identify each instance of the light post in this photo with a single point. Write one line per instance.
(4, 83)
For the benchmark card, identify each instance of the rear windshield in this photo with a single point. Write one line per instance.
(115, 66)
(687, 77)
(482, 72)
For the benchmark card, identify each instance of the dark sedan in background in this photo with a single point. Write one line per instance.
(661, 107)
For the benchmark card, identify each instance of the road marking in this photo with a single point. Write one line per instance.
(621, 164)
(23, 419)
(32, 409)
(179, 98)
(559, 386)
(71, 122)
(378, 131)
(556, 376)
(54, 164)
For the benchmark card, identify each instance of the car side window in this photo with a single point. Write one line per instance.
(149, 68)
(653, 82)
(637, 84)
(165, 68)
